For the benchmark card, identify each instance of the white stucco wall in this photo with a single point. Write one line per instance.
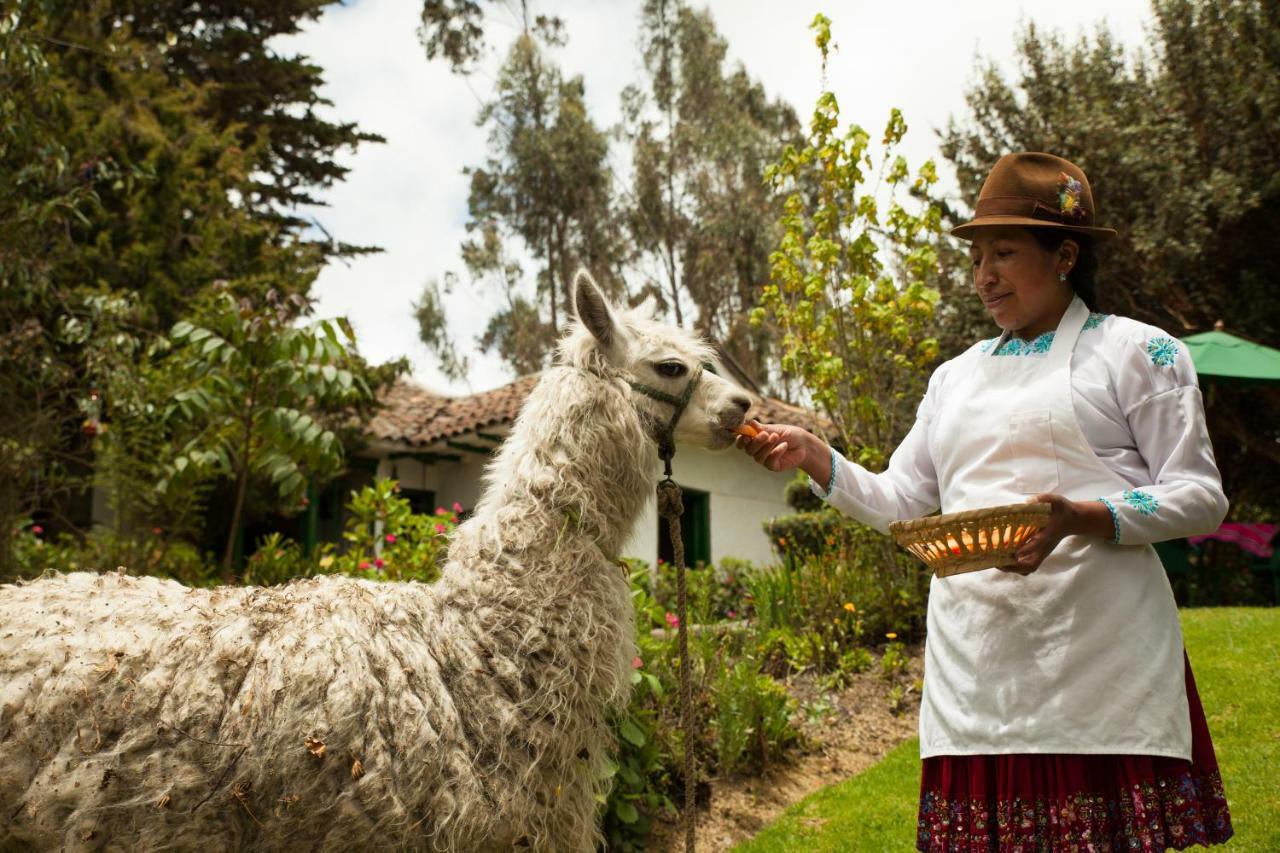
(742, 494)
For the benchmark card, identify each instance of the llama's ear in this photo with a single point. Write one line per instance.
(593, 310)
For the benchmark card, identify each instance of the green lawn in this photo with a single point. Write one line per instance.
(1235, 654)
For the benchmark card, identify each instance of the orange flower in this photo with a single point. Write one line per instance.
(848, 605)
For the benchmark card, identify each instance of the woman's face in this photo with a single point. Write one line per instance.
(1017, 280)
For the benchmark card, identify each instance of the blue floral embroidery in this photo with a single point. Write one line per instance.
(1016, 346)
(1115, 519)
(1041, 344)
(1144, 503)
(1094, 321)
(1163, 351)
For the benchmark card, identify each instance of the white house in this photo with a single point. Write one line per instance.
(436, 447)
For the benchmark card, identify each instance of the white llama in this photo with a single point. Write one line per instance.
(336, 714)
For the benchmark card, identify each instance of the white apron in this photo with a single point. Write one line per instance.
(1085, 654)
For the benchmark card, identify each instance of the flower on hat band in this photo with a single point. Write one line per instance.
(1069, 204)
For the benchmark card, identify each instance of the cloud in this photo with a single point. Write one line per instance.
(409, 196)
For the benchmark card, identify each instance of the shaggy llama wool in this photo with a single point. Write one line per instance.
(335, 713)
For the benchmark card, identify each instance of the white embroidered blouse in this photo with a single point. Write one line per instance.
(1137, 399)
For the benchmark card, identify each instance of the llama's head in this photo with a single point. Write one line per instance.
(660, 357)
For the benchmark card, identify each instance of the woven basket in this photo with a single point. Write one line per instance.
(967, 541)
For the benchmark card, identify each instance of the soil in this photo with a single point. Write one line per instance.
(847, 731)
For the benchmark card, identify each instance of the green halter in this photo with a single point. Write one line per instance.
(666, 432)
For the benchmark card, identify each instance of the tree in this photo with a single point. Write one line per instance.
(853, 335)
(1181, 142)
(254, 389)
(545, 184)
(700, 209)
(147, 150)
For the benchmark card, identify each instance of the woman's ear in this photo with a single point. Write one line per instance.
(1068, 254)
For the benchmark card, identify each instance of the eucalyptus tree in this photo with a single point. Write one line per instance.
(699, 214)
(543, 193)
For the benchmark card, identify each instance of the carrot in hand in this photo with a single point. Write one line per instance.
(747, 431)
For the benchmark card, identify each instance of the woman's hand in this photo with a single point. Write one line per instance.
(779, 447)
(1062, 522)
(1066, 518)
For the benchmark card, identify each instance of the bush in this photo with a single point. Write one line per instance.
(742, 718)
(799, 496)
(828, 598)
(753, 719)
(713, 593)
(386, 540)
(150, 553)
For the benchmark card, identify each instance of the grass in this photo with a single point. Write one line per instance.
(1235, 655)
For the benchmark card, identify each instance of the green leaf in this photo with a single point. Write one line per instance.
(625, 811)
(629, 776)
(631, 733)
(181, 329)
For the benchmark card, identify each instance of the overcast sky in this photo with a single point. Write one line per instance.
(409, 196)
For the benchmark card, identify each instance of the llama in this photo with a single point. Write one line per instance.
(335, 713)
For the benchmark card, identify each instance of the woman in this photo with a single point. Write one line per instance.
(1059, 709)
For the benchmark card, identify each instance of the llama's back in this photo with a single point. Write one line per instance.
(139, 714)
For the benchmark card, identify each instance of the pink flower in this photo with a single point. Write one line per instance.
(732, 614)
(673, 620)
(364, 565)
(457, 507)
(37, 529)
(440, 528)
(636, 662)
(391, 539)
(379, 563)
(441, 511)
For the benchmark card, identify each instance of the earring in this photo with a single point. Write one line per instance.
(1062, 276)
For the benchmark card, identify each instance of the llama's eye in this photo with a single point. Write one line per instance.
(672, 369)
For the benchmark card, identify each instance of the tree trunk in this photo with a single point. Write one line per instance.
(242, 486)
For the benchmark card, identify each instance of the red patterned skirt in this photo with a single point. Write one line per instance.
(1028, 802)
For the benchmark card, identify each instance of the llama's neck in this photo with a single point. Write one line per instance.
(577, 462)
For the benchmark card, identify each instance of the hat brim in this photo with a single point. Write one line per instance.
(965, 230)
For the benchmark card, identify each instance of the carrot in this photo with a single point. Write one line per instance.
(747, 431)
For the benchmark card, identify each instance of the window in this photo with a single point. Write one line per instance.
(421, 501)
(695, 530)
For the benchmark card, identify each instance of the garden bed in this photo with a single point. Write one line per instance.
(848, 731)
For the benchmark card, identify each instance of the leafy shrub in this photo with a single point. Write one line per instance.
(799, 496)
(893, 662)
(753, 719)
(386, 540)
(639, 768)
(104, 549)
(713, 593)
(853, 584)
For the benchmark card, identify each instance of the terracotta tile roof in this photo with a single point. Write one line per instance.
(414, 416)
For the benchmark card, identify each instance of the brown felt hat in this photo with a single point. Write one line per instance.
(1039, 190)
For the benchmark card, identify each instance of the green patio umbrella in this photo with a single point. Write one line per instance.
(1229, 360)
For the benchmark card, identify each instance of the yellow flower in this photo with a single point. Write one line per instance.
(326, 561)
(848, 605)
(891, 635)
